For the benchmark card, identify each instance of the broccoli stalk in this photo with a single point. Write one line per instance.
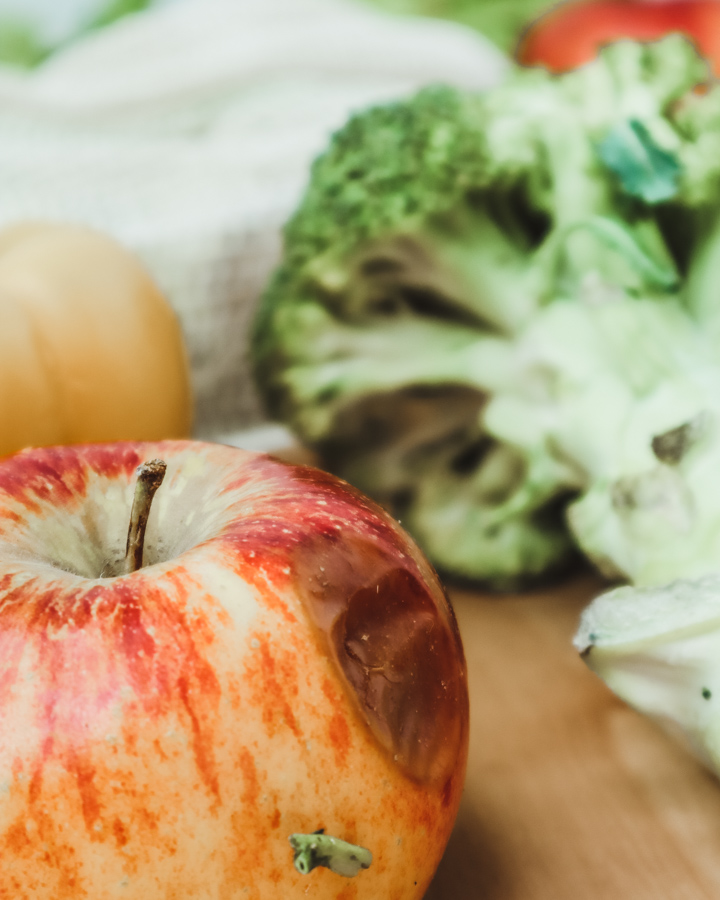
(482, 298)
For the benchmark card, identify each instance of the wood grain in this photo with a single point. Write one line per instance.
(570, 794)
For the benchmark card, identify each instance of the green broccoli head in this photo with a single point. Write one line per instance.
(389, 167)
(437, 232)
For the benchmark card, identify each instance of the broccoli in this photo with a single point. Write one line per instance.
(495, 313)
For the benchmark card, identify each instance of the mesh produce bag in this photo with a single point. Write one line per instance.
(186, 131)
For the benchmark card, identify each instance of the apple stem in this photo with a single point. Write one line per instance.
(149, 478)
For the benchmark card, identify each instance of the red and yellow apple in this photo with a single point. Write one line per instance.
(90, 349)
(284, 661)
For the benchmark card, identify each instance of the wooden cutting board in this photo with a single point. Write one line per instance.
(570, 794)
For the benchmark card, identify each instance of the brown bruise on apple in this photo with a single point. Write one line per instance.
(165, 750)
(383, 616)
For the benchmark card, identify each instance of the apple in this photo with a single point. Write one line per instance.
(262, 663)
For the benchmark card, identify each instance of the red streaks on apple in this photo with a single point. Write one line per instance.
(272, 674)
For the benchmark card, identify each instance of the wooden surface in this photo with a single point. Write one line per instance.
(570, 794)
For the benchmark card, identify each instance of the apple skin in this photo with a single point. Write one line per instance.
(286, 660)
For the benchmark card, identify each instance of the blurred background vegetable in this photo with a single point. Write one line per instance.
(569, 34)
(90, 350)
(562, 36)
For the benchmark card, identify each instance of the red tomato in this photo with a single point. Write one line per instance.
(571, 33)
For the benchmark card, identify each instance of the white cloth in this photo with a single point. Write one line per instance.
(187, 132)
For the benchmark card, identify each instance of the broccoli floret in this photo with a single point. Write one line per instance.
(402, 335)
(390, 166)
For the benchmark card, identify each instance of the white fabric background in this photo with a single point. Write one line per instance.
(187, 132)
